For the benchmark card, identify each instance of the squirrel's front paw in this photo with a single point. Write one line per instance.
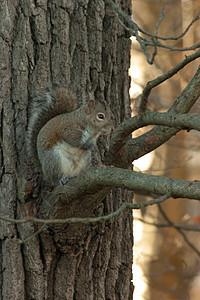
(87, 146)
(64, 180)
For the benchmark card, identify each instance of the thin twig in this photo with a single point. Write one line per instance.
(158, 44)
(186, 227)
(191, 245)
(161, 16)
(160, 79)
(88, 220)
(20, 242)
(154, 37)
(134, 27)
(80, 220)
(173, 38)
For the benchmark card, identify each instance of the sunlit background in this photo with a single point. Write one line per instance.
(165, 266)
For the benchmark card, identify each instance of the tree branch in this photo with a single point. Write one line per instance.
(81, 195)
(179, 121)
(186, 227)
(96, 178)
(123, 150)
(135, 29)
(160, 79)
(191, 245)
(101, 219)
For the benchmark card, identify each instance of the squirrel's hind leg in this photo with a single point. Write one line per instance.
(64, 180)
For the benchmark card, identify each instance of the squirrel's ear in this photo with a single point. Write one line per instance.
(90, 106)
(91, 103)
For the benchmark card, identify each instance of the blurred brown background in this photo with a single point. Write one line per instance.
(165, 265)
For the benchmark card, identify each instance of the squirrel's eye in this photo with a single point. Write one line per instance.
(101, 116)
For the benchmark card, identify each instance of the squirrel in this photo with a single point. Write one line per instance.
(60, 135)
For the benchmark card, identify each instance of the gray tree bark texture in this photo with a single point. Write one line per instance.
(81, 45)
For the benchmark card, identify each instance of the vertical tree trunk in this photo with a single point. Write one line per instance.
(79, 44)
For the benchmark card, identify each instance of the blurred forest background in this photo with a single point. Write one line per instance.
(167, 260)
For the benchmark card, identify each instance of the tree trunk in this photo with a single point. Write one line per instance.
(81, 45)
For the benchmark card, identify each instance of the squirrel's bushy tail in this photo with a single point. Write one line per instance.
(42, 109)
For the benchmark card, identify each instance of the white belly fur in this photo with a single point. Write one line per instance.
(73, 160)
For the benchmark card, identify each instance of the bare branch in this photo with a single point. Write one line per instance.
(191, 245)
(186, 227)
(161, 16)
(101, 219)
(101, 177)
(134, 27)
(180, 121)
(97, 178)
(158, 44)
(154, 37)
(175, 38)
(123, 150)
(160, 79)
(19, 241)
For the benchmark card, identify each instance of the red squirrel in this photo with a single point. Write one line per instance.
(61, 136)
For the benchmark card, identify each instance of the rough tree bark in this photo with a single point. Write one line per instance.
(82, 45)
(79, 44)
